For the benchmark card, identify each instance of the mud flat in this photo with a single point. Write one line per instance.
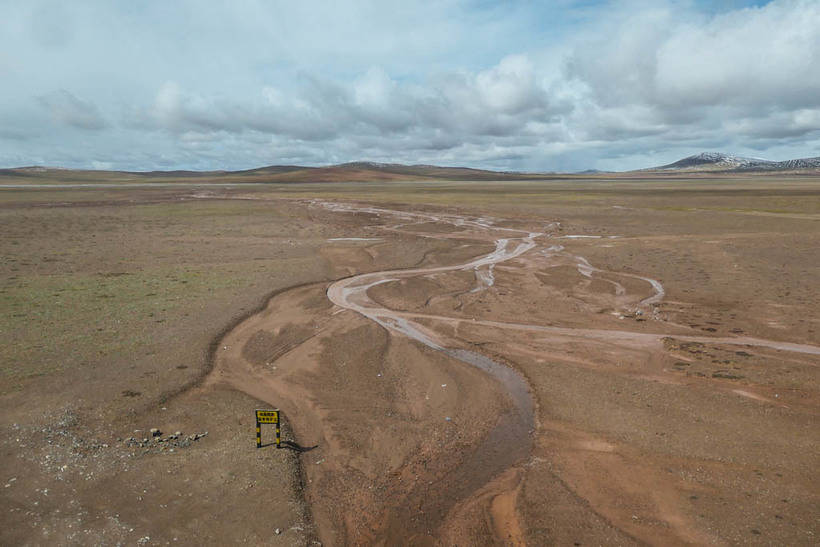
(569, 364)
(488, 477)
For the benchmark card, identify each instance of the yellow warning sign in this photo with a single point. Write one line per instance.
(267, 416)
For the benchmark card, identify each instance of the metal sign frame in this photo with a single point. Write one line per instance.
(267, 416)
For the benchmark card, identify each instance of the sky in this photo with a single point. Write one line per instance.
(562, 85)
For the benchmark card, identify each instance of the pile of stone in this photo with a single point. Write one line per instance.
(175, 440)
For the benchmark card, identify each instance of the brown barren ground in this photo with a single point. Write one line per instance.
(632, 362)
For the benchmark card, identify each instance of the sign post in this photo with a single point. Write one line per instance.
(264, 416)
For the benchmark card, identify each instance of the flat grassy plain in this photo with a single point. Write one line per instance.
(112, 301)
(82, 284)
(113, 298)
(110, 305)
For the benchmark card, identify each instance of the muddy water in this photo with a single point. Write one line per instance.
(508, 443)
(415, 517)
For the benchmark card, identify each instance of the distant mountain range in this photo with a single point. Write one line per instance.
(716, 161)
(706, 162)
(346, 172)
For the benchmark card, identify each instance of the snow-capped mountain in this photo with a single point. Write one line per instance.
(716, 161)
(804, 163)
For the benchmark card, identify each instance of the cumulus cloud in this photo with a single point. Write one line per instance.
(762, 57)
(686, 69)
(69, 110)
(502, 100)
(573, 85)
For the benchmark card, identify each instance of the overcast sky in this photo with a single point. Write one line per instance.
(551, 85)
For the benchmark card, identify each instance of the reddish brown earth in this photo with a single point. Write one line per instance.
(654, 381)
(615, 346)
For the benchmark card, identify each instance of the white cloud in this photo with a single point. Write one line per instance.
(695, 71)
(69, 110)
(510, 87)
(569, 85)
(501, 100)
(374, 89)
(762, 57)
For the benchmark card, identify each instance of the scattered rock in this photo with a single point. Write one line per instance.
(159, 443)
(726, 375)
(277, 531)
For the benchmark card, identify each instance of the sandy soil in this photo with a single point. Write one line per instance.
(575, 372)
(607, 336)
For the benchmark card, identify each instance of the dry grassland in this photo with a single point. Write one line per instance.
(126, 308)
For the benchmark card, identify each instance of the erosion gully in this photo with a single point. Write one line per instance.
(510, 441)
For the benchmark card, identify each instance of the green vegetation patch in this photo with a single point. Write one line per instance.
(59, 322)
